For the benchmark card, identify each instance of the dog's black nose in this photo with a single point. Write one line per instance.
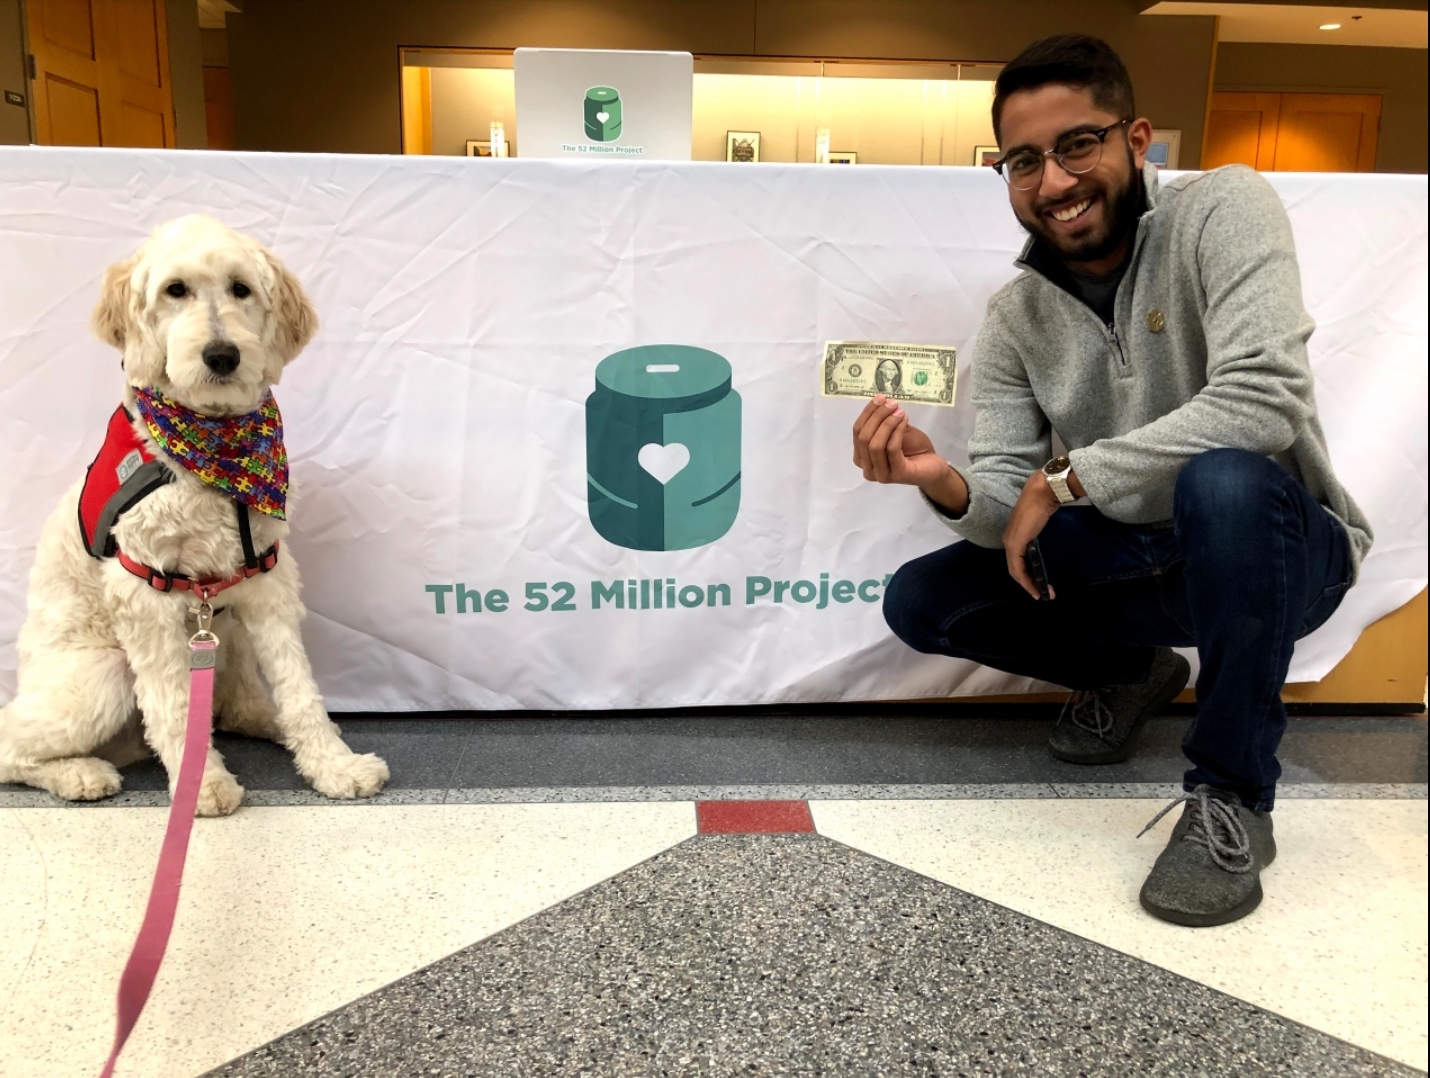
(221, 357)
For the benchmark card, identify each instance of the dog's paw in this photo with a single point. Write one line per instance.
(219, 795)
(352, 775)
(82, 778)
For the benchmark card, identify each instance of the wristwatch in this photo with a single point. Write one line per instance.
(1056, 473)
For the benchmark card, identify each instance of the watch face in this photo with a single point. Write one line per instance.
(1056, 465)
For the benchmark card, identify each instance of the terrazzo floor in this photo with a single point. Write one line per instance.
(885, 893)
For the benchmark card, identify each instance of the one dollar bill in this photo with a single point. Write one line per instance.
(921, 373)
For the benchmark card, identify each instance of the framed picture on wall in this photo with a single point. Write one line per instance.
(1165, 149)
(483, 148)
(742, 146)
(985, 155)
(843, 157)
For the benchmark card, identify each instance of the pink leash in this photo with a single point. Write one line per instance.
(144, 960)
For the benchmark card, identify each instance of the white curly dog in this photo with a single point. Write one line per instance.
(207, 318)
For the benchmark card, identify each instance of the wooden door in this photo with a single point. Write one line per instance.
(1293, 132)
(1241, 129)
(1327, 132)
(101, 73)
(218, 105)
(67, 72)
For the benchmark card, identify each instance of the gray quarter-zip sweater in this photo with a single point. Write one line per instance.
(1207, 350)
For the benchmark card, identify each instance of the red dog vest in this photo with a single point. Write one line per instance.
(123, 474)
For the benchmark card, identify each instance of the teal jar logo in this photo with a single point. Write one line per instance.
(603, 114)
(663, 448)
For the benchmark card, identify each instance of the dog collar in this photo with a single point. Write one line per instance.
(204, 589)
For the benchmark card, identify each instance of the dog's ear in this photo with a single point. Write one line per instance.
(113, 311)
(294, 319)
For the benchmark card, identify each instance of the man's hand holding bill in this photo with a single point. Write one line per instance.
(888, 450)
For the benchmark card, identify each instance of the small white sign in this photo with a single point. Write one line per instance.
(610, 104)
(131, 463)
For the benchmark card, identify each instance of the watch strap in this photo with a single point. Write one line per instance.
(1058, 481)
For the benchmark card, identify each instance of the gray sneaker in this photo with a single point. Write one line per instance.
(1210, 872)
(1100, 726)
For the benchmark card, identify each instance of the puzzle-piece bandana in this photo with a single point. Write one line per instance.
(243, 455)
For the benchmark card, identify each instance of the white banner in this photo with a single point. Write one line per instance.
(438, 424)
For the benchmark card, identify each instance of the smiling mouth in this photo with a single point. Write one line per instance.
(1068, 214)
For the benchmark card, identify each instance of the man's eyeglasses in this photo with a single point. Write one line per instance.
(1076, 153)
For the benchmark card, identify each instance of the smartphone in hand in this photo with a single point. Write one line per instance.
(1037, 569)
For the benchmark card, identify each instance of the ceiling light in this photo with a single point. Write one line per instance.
(1330, 26)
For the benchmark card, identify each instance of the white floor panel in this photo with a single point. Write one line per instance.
(286, 914)
(1339, 943)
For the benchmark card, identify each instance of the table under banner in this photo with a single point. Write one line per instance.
(488, 516)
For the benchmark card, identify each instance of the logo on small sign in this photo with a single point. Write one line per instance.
(603, 114)
(12, 98)
(128, 466)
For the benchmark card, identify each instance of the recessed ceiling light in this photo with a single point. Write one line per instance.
(1330, 26)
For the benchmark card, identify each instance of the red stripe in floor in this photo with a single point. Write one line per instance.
(753, 817)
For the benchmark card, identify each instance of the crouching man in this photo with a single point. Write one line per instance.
(1159, 331)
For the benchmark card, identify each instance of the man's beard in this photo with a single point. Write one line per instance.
(1122, 209)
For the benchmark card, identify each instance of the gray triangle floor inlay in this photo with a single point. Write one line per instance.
(795, 955)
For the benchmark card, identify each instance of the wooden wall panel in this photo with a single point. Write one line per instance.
(1241, 129)
(417, 110)
(142, 127)
(72, 112)
(218, 107)
(1293, 132)
(64, 24)
(137, 39)
(1327, 132)
(1387, 665)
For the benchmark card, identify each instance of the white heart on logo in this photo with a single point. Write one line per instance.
(603, 116)
(664, 462)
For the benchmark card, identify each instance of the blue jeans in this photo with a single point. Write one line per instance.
(1250, 563)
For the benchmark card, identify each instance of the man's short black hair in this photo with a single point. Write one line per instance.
(1087, 63)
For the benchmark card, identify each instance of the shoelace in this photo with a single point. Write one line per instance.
(1088, 712)
(1215, 825)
